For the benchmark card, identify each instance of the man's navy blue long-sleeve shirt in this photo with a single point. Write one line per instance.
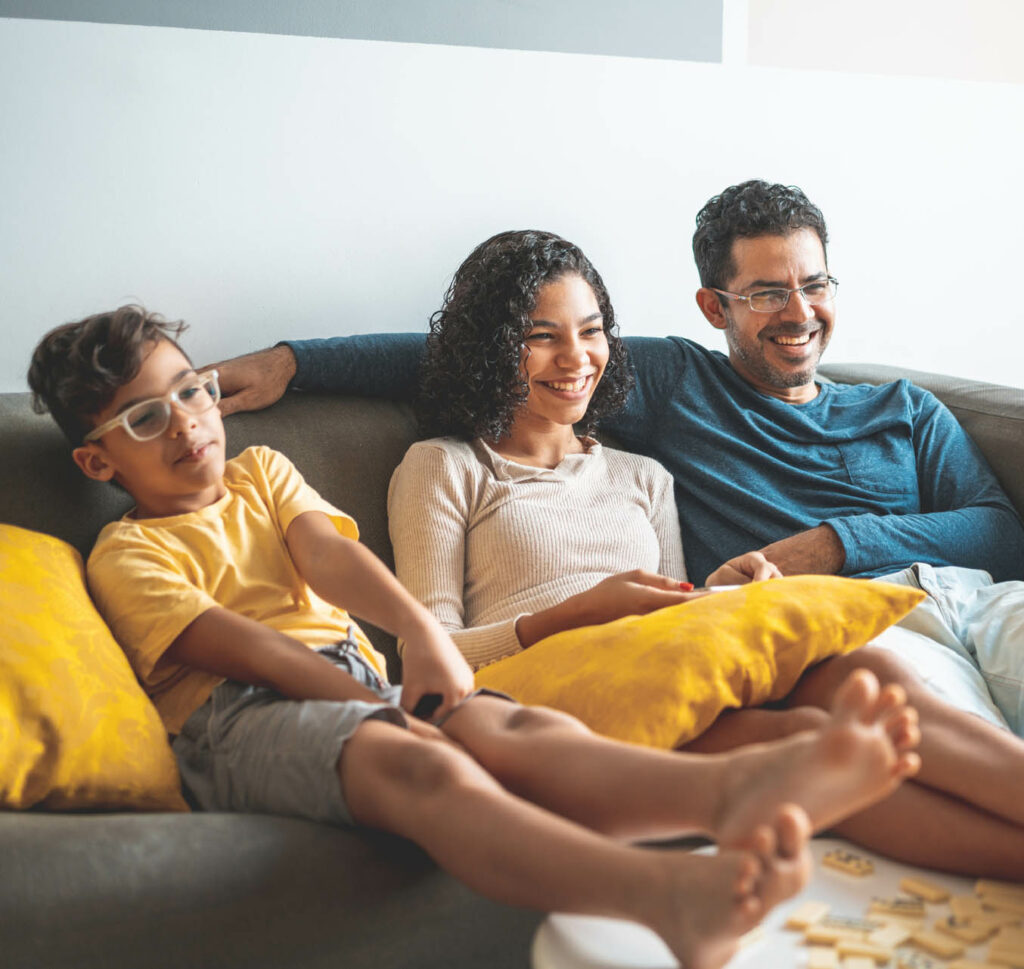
(888, 468)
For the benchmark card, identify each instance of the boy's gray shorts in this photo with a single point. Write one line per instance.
(250, 749)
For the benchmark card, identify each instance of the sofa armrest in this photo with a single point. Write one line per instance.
(992, 414)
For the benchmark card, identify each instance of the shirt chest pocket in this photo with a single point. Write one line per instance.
(884, 463)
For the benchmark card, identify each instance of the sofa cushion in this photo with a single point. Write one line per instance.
(76, 729)
(663, 678)
(237, 891)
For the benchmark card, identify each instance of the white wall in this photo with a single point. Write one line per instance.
(265, 186)
(975, 40)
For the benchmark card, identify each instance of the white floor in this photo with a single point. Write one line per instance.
(583, 942)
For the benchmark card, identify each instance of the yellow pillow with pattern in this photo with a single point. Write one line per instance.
(663, 678)
(76, 730)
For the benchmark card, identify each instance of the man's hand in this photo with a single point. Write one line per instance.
(256, 380)
(432, 663)
(817, 551)
(749, 567)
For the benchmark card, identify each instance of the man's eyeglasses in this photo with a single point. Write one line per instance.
(773, 300)
(196, 394)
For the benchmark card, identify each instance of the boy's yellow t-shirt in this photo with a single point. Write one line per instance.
(150, 578)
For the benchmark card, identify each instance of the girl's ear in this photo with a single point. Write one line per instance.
(93, 462)
(711, 306)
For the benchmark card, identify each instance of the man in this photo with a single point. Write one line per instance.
(852, 480)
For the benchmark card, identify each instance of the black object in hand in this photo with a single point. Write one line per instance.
(426, 706)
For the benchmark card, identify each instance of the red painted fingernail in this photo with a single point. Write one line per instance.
(686, 586)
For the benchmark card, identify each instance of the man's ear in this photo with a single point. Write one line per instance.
(93, 462)
(711, 306)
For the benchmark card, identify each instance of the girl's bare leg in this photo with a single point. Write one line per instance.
(518, 853)
(860, 754)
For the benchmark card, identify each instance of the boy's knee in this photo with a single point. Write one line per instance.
(392, 779)
(401, 761)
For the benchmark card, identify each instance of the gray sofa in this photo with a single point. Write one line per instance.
(96, 891)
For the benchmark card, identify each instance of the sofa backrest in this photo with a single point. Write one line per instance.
(346, 447)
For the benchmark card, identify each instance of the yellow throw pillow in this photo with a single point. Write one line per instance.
(76, 730)
(663, 678)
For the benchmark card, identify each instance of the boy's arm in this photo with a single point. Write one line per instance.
(228, 644)
(350, 576)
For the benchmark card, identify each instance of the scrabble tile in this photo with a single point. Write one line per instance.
(875, 953)
(807, 914)
(823, 935)
(925, 889)
(1006, 956)
(916, 960)
(964, 929)
(889, 936)
(822, 957)
(988, 886)
(899, 905)
(846, 922)
(938, 944)
(858, 962)
(853, 864)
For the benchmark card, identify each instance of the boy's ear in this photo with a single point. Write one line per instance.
(711, 306)
(93, 462)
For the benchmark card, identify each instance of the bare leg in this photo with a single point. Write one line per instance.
(917, 824)
(520, 854)
(921, 826)
(961, 754)
(753, 725)
(860, 755)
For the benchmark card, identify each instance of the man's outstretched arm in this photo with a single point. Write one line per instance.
(369, 365)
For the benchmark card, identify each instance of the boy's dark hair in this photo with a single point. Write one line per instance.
(471, 384)
(754, 208)
(77, 368)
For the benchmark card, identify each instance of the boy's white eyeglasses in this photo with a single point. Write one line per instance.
(773, 300)
(195, 394)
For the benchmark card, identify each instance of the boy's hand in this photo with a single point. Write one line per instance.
(433, 664)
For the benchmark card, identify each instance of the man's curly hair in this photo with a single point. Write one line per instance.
(471, 384)
(747, 210)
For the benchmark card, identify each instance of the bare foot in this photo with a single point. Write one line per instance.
(715, 899)
(861, 755)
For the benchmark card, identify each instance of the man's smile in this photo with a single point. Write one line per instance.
(791, 342)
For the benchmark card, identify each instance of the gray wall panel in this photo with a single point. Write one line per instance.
(670, 29)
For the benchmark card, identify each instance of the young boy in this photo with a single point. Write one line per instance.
(228, 584)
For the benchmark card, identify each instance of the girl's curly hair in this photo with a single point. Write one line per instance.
(470, 383)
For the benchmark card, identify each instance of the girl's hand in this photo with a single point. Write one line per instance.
(750, 567)
(634, 593)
